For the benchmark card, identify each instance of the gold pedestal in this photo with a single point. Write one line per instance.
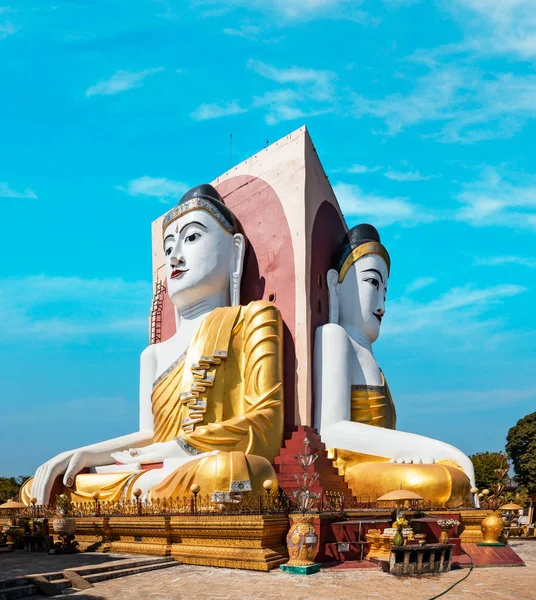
(471, 520)
(255, 542)
(374, 538)
(141, 535)
(93, 534)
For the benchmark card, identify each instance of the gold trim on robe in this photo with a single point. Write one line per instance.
(373, 405)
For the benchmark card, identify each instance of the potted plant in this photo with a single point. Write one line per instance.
(446, 525)
(399, 525)
(64, 523)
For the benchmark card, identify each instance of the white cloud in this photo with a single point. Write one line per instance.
(502, 27)
(120, 81)
(158, 187)
(408, 176)
(495, 261)
(7, 28)
(432, 99)
(362, 169)
(71, 308)
(283, 106)
(455, 313)
(297, 10)
(8, 192)
(308, 92)
(467, 105)
(320, 83)
(357, 169)
(419, 284)
(248, 32)
(215, 111)
(381, 210)
(492, 200)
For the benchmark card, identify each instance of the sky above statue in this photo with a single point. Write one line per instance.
(423, 115)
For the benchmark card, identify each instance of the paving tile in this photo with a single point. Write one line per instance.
(202, 583)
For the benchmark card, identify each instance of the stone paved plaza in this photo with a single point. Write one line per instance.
(196, 583)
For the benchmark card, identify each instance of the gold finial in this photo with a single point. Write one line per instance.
(268, 484)
(137, 493)
(485, 492)
(474, 490)
(33, 501)
(95, 496)
(195, 488)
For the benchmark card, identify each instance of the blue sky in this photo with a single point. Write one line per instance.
(423, 114)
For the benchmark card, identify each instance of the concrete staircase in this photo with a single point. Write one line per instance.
(77, 578)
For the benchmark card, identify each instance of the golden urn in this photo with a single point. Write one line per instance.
(492, 527)
(302, 541)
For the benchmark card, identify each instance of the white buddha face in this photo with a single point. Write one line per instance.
(362, 295)
(199, 257)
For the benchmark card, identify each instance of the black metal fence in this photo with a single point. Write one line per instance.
(243, 504)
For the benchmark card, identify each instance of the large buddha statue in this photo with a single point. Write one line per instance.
(354, 412)
(211, 396)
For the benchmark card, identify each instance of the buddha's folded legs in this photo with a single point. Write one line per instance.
(219, 475)
(439, 484)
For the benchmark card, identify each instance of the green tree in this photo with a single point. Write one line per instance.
(486, 465)
(10, 486)
(521, 448)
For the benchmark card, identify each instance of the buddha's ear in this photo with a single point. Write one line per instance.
(332, 279)
(239, 248)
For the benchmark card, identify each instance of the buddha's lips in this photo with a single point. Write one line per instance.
(177, 273)
(379, 317)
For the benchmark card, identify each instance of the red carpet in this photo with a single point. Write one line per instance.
(488, 556)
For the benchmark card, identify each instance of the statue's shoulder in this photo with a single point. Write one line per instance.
(331, 333)
(148, 352)
(261, 307)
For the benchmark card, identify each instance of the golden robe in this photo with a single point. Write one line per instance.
(369, 477)
(224, 393)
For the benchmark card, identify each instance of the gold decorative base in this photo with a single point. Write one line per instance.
(471, 520)
(93, 534)
(255, 542)
(141, 535)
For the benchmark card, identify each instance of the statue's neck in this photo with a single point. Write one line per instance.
(357, 335)
(188, 314)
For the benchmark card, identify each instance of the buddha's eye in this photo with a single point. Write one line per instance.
(192, 237)
(168, 251)
(374, 282)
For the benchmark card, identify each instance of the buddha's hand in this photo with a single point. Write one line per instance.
(155, 453)
(46, 474)
(414, 460)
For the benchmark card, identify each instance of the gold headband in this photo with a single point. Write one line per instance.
(359, 252)
(196, 204)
